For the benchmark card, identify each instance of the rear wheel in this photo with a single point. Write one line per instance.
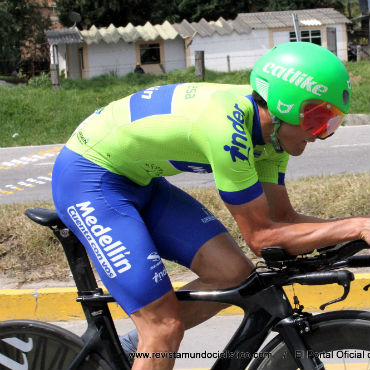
(34, 345)
(340, 339)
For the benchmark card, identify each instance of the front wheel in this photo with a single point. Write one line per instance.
(34, 345)
(340, 339)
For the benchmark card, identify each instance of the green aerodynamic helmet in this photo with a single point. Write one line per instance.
(304, 84)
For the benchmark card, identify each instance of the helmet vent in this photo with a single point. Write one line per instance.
(262, 87)
(345, 97)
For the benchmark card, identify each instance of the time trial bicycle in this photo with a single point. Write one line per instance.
(303, 341)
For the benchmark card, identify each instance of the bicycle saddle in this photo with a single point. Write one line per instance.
(44, 217)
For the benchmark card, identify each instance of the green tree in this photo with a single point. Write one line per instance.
(274, 5)
(9, 48)
(22, 39)
(102, 13)
(194, 10)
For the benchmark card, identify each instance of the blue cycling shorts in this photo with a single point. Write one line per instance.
(127, 229)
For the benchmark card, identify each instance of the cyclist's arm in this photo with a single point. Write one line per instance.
(260, 231)
(280, 208)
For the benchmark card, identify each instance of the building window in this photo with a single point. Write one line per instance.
(150, 53)
(313, 36)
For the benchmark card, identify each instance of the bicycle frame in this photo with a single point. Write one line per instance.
(259, 317)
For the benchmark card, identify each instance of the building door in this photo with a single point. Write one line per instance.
(331, 33)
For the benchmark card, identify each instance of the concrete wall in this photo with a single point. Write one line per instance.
(279, 37)
(174, 54)
(121, 58)
(104, 58)
(243, 49)
(342, 41)
(73, 61)
(62, 57)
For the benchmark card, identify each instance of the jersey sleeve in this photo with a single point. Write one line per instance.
(230, 148)
(273, 167)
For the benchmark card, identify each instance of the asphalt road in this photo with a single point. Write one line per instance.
(25, 172)
(209, 339)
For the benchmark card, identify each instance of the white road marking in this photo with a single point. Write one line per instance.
(349, 145)
(31, 158)
(24, 185)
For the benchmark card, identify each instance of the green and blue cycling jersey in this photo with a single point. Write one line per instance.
(190, 127)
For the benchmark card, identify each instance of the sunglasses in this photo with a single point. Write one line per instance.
(319, 118)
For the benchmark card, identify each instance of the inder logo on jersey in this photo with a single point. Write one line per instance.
(239, 138)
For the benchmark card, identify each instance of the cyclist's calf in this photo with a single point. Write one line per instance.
(160, 330)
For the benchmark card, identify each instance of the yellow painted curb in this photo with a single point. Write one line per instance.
(59, 304)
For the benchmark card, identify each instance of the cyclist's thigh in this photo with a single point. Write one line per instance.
(179, 224)
(101, 209)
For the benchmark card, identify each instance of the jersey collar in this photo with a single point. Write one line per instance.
(256, 129)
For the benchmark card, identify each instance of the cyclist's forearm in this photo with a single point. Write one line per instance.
(304, 237)
(298, 218)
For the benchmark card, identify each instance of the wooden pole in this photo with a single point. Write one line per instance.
(199, 64)
(228, 63)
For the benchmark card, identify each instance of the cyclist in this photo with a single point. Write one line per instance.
(109, 190)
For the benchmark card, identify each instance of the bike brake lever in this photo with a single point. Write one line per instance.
(346, 286)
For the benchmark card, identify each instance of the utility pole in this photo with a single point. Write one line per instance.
(296, 26)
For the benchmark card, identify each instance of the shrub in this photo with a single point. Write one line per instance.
(40, 81)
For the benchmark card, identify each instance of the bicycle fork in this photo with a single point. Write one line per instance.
(291, 330)
(291, 324)
(259, 319)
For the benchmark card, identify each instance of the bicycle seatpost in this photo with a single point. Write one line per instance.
(78, 261)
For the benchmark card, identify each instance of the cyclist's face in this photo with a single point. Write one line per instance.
(293, 139)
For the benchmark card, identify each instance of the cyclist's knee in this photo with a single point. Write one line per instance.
(159, 324)
(227, 279)
(172, 332)
(165, 335)
(221, 263)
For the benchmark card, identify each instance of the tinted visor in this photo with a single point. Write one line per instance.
(320, 118)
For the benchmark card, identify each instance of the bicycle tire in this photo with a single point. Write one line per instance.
(35, 345)
(331, 334)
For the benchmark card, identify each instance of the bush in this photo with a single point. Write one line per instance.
(40, 81)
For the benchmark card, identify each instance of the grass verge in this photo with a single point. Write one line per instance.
(39, 115)
(29, 252)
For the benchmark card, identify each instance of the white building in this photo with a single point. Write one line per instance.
(227, 45)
